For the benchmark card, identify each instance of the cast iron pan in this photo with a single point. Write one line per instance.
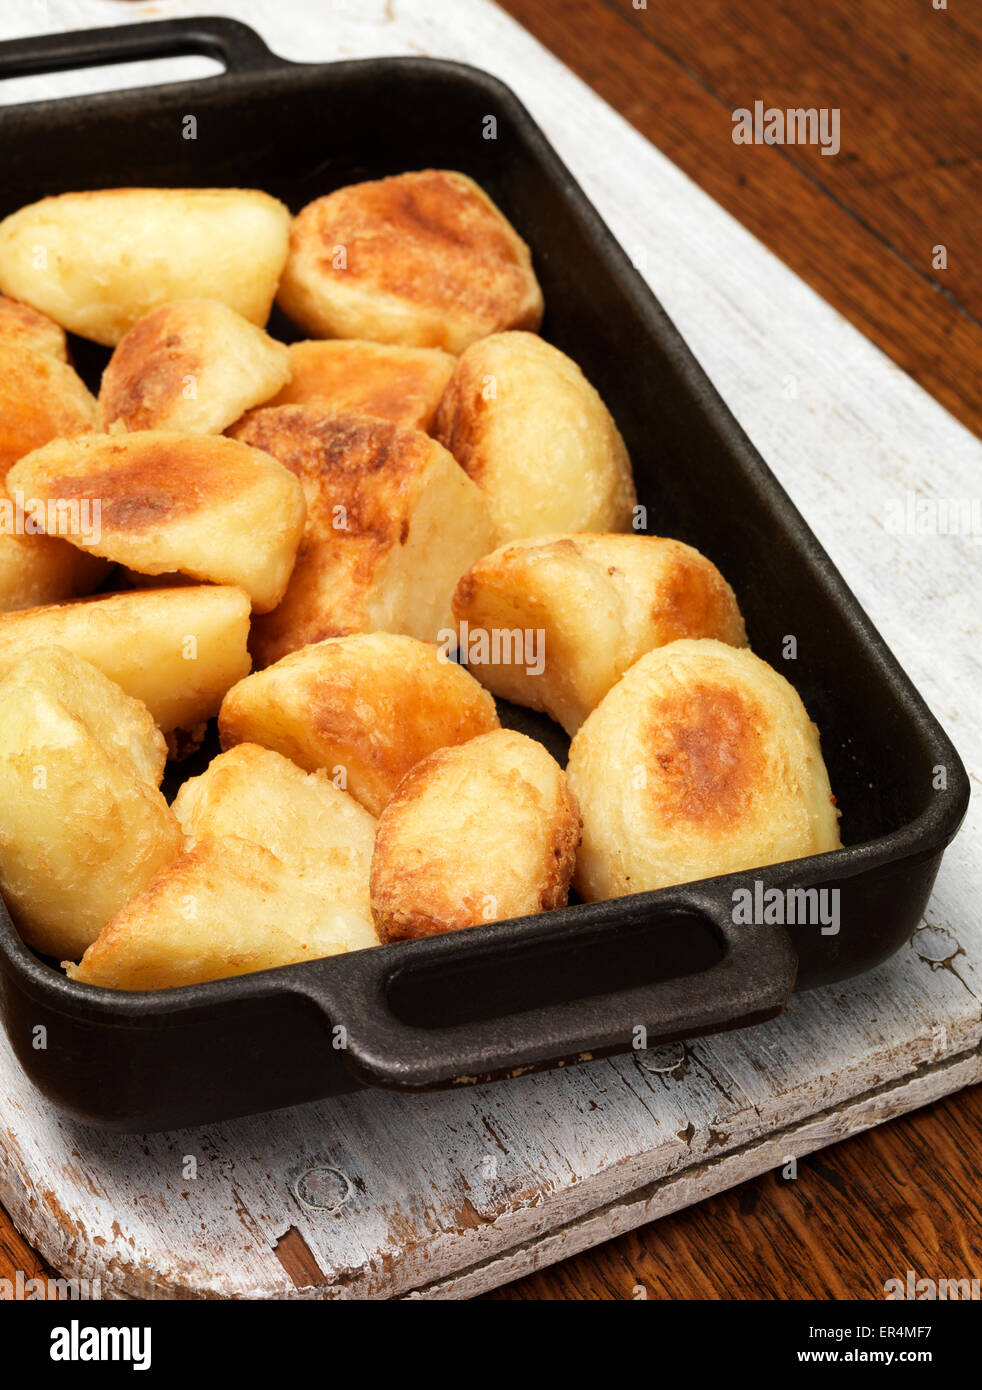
(587, 980)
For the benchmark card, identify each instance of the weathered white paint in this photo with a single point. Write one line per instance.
(452, 1194)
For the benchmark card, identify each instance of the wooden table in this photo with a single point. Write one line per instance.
(860, 228)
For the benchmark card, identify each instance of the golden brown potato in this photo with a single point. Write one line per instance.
(424, 259)
(392, 523)
(317, 830)
(123, 727)
(192, 366)
(226, 907)
(366, 708)
(528, 427)
(553, 623)
(201, 504)
(401, 384)
(36, 569)
(700, 761)
(40, 399)
(476, 833)
(23, 327)
(178, 650)
(98, 262)
(84, 826)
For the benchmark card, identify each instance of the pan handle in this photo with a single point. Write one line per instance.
(235, 45)
(750, 982)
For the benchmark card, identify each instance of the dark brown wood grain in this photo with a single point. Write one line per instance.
(16, 1254)
(860, 227)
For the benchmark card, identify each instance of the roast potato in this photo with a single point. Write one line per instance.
(401, 384)
(528, 427)
(23, 327)
(192, 366)
(178, 650)
(700, 761)
(553, 623)
(392, 523)
(201, 504)
(474, 833)
(41, 398)
(226, 907)
(366, 708)
(84, 825)
(98, 262)
(317, 830)
(424, 259)
(36, 569)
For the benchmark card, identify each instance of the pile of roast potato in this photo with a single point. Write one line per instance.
(344, 548)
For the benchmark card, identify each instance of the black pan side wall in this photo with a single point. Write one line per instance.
(242, 1056)
(235, 1058)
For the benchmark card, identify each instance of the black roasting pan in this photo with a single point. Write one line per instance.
(588, 980)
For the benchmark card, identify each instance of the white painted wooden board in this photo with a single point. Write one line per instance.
(443, 1196)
